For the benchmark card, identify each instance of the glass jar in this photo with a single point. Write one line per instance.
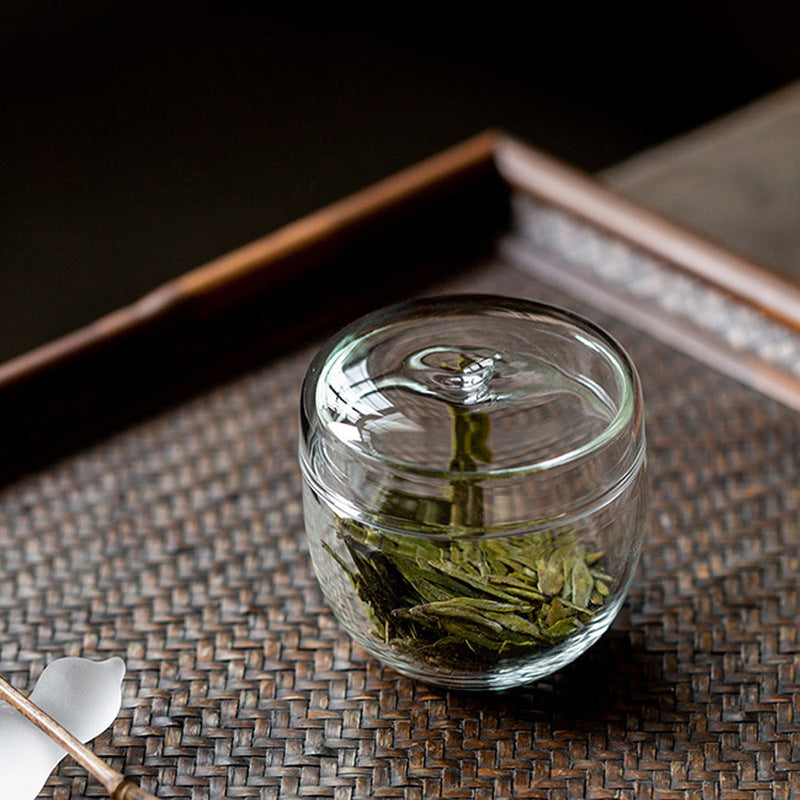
(474, 486)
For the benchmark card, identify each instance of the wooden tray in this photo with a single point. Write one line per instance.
(177, 542)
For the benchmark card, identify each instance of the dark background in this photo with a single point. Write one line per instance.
(140, 139)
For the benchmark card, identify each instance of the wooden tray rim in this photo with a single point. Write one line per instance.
(523, 167)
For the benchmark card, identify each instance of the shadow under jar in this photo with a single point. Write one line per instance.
(474, 486)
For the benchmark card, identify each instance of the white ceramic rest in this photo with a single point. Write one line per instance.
(84, 696)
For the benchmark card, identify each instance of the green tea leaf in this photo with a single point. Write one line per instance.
(466, 602)
(601, 588)
(582, 584)
(554, 613)
(560, 630)
(551, 576)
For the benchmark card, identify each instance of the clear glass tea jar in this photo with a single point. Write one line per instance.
(474, 486)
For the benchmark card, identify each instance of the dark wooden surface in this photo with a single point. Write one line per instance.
(736, 180)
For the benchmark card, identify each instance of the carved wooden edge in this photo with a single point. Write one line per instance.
(533, 172)
(273, 260)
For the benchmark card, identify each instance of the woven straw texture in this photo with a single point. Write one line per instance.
(178, 545)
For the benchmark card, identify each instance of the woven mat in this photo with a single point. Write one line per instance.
(179, 546)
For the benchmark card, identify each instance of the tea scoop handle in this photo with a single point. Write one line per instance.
(118, 786)
(128, 790)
